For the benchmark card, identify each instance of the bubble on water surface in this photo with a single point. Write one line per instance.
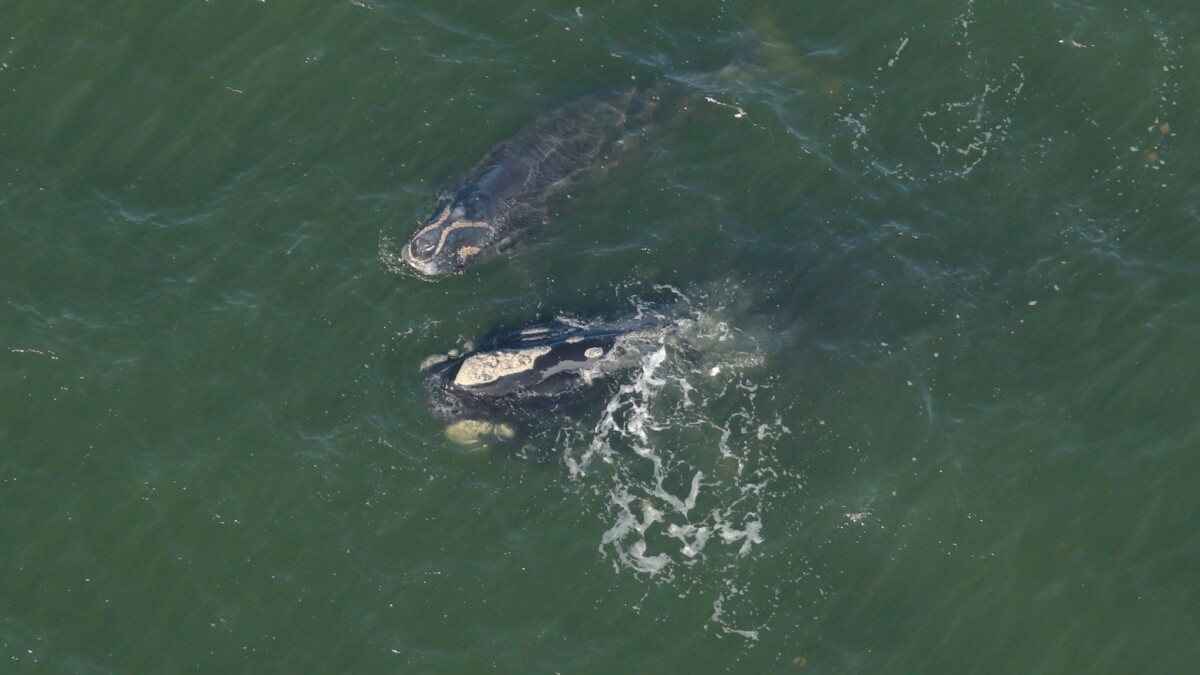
(683, 465)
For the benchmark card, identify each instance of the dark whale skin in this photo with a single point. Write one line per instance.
(554, 362)
(509, 190)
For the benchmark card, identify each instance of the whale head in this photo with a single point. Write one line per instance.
(460, 229)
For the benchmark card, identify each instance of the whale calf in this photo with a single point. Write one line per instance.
(508, 191)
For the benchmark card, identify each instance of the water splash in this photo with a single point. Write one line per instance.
(682, 465)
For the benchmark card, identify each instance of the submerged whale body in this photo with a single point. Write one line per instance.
(508, 191)
(536, 368)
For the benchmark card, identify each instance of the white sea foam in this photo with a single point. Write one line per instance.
(682, 464)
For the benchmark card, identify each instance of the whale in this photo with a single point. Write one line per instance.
(532, 371)
(510, 190)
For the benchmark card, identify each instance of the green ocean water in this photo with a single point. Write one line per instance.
(955, 429)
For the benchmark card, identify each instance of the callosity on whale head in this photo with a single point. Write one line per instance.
(459, 230)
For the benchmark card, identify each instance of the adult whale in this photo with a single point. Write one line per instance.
(540, 362)
(509, 190)
(536, 369)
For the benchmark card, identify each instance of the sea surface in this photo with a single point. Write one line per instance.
(947, 419)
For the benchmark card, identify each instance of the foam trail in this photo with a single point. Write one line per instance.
(682, 467)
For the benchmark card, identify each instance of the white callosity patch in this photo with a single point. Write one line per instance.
(471, 432)
(432, 360)
(480, 369)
